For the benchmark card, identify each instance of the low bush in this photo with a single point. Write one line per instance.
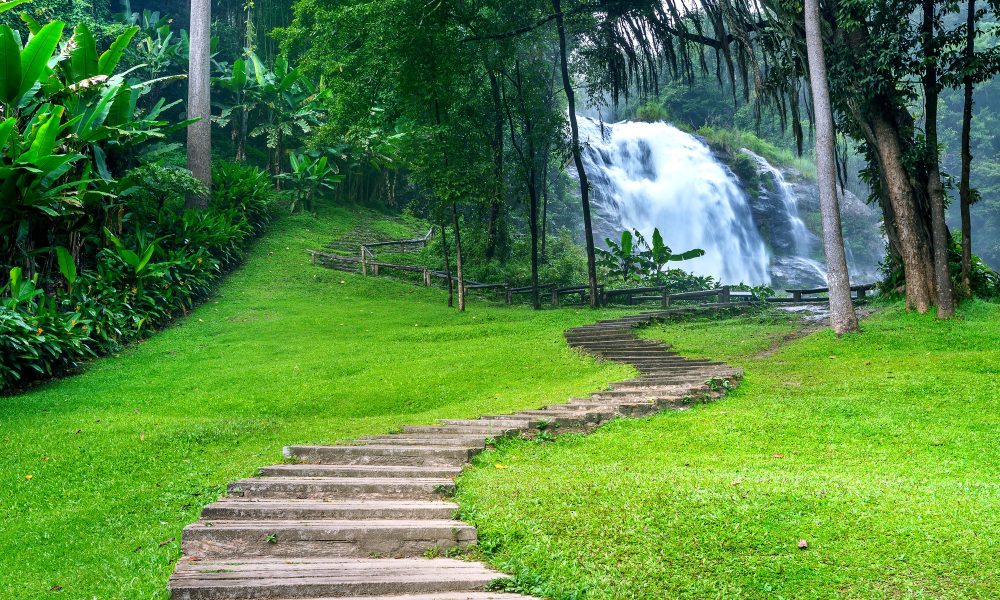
(160, 261)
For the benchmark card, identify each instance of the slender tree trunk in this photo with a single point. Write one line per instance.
(588, 229)
(965, 187)
(842, 314)
(935, 189)
(447, 264)
(536, 301)
(496, 201)
(199, 105)
(458, 257)
(545, 208)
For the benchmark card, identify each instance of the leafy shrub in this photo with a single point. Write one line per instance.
(141, 279)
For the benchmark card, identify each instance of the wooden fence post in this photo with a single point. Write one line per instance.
(555, 297)
(724, 295)
(862, 292)
(364, 262)
(506, 293)
(427, 278)
(664, 298)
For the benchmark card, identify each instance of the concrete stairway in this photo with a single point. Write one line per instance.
(364, 520)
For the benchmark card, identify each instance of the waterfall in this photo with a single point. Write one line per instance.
(771, 177)
(653, 175)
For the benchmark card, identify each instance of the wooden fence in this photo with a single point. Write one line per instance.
(367, 264)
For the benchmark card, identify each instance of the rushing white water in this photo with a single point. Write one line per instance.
(801, 238)
(653, 175)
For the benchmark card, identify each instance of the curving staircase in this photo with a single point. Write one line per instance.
(372, 519)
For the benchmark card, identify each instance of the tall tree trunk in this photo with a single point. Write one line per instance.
(842, 314)
(458, 257)
(447, 263)
(545, 206)
(199, 105)
(965, 187)
(935, 189)
(496, 201)
(588, 229)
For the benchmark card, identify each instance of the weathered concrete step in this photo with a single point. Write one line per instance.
(307, 470)
(636, 408)
(570, 412)
(426, 440)
(316, 488)
(381, 455)
(680, 392)
(324, 538)
(350, 508)
(539, 421)
(486, 429)
(507, 423)
(273, 578)
(448, 596)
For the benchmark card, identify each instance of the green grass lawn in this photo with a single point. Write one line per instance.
(101, 471)
(881, 451)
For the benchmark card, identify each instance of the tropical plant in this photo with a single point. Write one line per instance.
(633, 259)
(309, 178)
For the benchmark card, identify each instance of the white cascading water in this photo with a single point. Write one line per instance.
(802, 239)
(653, 175)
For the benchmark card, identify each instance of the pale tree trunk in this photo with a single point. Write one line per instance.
(935, 189)
(458, 257)
(588, 229)
(965, 187)
(842, 315)
(199, 105)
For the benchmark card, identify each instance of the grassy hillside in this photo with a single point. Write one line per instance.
(881, 451)
(101, 471)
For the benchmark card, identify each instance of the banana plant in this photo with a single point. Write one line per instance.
(659, 255)
(309, 178)
(622, 258)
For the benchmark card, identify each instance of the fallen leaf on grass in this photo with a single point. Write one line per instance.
(55, 588)
(499, 466)
(165, 542)
(777, 455)
(803, 544)
(29, 477)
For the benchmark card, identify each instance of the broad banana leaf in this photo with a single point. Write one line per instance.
(10, 65)
(36, 54)
(83, 59)
(108, 62)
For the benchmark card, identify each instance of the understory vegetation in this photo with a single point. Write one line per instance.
(880, 451)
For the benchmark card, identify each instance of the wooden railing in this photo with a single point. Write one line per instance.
(861, 291)
(368, 265)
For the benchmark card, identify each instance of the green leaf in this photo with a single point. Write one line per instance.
(108, 62)
(697, 253)
(10, 65)
(83, 59)
(5, 6)
(66, 265)
(146, 256)
(31, 23)
(6, 128)
(45, 137)
(130, 257)
(239, 78)
(37, 53)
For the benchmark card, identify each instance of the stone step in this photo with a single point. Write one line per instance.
(448, 596)
(484, 429)
(426, 440)
(566, 411)
(636, 408)
(381, 455)
(536, 422)
(319, 488)
(306, 470)
(508, 423)
(324, 538)
(636, 396)
(349, 508)
(275, 578)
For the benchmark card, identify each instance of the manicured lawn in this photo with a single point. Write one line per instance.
(121, 457)
(881, 451)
